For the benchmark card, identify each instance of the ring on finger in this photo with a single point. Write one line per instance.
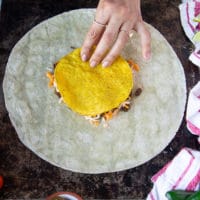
(100, 23)
(129, 33)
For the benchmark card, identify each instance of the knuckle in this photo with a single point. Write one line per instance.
(97, 56)
(147, 35)
(125, 12)
(85, 48)
(121, 44)
(92, 34)
(109, 37)
(148, 42)
(104, 8)
(112, 57)
(107, 5)
(123, 39)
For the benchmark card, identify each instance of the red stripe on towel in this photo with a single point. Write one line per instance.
(184, 173)
(193, 128)
(196, 55)
(193, 183)
(157, 175)
(152, 197)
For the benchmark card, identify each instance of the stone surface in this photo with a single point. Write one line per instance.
(27, 176)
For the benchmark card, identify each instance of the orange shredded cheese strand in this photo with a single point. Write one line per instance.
(108, 115)
(133, 65)
(115, 112)
(126, 106)
(136, 67)
(51, 78)
(95, 122)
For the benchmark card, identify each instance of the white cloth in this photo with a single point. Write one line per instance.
(193, 110)
(183, 173)
(188, 11)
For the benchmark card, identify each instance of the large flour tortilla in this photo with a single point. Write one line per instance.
(64, 138)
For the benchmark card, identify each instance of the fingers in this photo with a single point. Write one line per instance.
(145, 40)
(92, 38)
(110, 41)
(107, 40)
(110, 32)
(116, 49)
(95, 33)
(123, 36)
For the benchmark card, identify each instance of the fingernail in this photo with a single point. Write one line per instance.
(105, 64)
(84, 57)
(93, 63)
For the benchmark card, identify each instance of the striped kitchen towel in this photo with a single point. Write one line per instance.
(190, 20)
(182, 173)
(193, 110)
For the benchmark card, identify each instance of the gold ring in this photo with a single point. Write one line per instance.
(129, 33)
(99, 23)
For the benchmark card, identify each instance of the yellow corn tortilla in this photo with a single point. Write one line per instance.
(92, 91)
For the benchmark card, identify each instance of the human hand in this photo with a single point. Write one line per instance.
(114, 21)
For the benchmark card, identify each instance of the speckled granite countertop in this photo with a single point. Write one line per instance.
(27, 176)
